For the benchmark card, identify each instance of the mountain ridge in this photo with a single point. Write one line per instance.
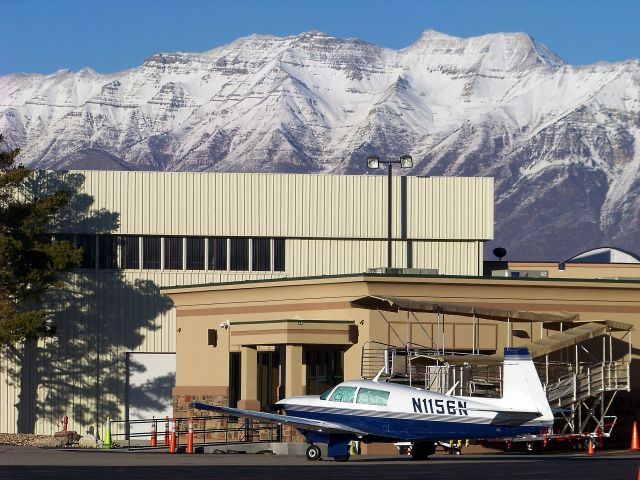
(500, 105)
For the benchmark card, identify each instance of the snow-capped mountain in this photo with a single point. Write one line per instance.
(560, 140)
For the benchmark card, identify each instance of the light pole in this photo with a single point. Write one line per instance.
(373, 162)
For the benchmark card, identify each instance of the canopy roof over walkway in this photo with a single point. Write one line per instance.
(395, 304)
(572, 330)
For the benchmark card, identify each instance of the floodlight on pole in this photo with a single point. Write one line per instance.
(373, 162)
(406, 161)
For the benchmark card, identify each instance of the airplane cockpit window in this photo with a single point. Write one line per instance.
(343, 394)
(369, 396)
(325, 395)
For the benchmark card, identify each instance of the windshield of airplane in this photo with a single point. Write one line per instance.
(343, 394)
(369, 396)
(325, 395)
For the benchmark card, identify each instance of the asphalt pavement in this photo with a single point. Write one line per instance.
(35, 463)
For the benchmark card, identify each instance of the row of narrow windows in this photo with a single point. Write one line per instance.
(238, 254)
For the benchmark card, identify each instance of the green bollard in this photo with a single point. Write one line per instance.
(106, 437)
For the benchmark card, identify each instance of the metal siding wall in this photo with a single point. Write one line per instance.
(345, 216)
(450, 258)
(326, 257)
(9, 393)
(67, 361)
(291, 205)
(450, 208)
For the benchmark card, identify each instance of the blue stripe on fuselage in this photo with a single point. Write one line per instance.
(412, 429)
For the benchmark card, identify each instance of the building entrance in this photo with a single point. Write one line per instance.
(268, 379)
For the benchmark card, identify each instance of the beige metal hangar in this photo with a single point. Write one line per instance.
(144, 230)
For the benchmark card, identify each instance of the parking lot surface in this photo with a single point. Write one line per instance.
(33, 463)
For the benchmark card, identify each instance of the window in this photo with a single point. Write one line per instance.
(173, 253)
(130, 252)
(217, 254)
(88, 245)
(195, 253)
(343, 394)
(369, 396)
(278, 254)
(107, 251)
(261, 255)
(86, 242)
(326, 394)
(151, 253)
(324, 369)
(239, 254)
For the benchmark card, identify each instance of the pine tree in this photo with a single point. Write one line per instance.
(30, 261)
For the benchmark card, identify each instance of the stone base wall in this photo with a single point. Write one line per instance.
(205, 429)
(292, 435)
(223, 428)
(181, 403)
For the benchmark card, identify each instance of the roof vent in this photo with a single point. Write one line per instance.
(403, 271)
(520, 273)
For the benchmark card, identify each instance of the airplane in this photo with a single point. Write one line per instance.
(374, 411)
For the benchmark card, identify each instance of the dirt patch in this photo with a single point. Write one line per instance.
(23, 439)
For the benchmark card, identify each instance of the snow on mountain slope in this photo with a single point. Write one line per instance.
(560, 140)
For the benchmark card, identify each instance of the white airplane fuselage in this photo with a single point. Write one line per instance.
(380, 411)
(413, 414)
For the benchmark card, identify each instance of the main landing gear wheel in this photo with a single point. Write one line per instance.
(313, 452)
(422, 451)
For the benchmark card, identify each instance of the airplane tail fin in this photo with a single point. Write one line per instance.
(521, 386)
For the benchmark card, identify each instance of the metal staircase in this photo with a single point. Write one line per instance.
(588, 381)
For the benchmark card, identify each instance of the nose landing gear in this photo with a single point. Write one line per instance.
(313, 452)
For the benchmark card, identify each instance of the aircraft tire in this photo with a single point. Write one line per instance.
(422, 451)
(313, 453)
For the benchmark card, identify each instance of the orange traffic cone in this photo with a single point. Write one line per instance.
(190, 437)
(590, 450)
(166, 431)
(154, 437)
(172, 445)
(634, 437)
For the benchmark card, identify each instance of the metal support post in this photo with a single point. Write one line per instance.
(389, 215)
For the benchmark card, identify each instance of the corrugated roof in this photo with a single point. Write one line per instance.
(394, 304)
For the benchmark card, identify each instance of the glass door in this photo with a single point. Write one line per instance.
(268, 379)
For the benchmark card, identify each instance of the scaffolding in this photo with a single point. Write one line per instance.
(580, 380)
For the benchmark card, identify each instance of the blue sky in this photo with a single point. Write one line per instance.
(46, 35)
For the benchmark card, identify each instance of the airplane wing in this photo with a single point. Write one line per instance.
(297, 422)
